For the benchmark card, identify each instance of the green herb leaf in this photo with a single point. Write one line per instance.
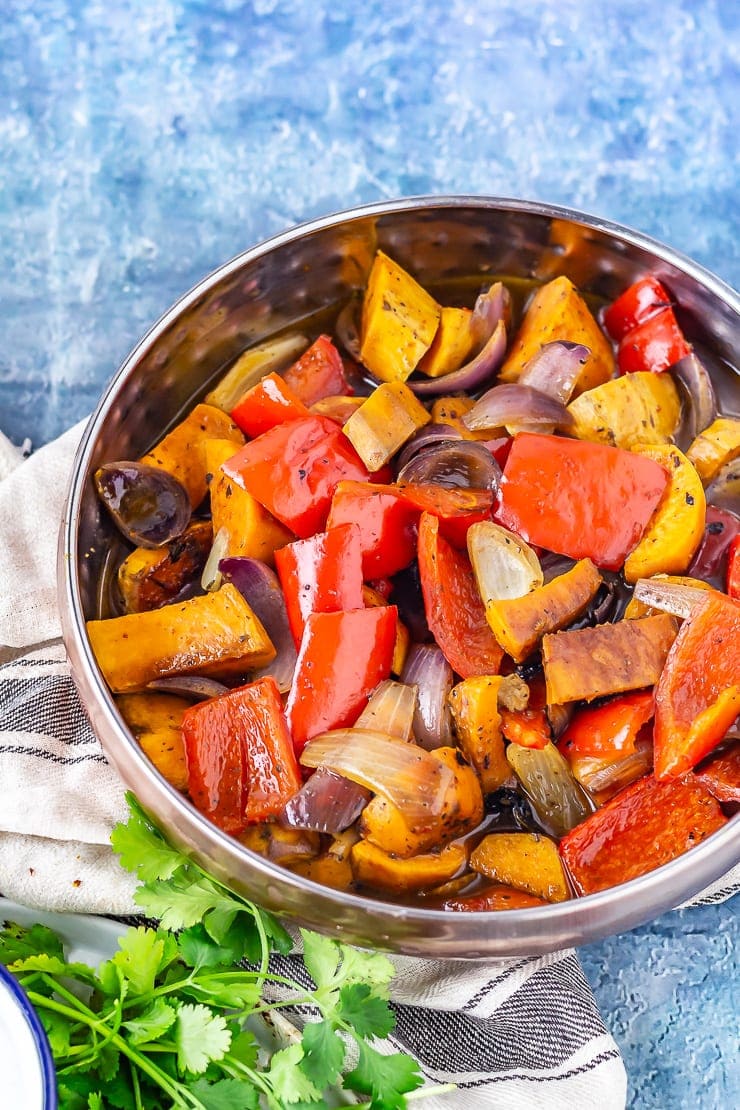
(58, 1030)
(17, 942)
(181, 901)
(200, 1036)
(140, 957)
(152, 1023)
(384, 1078)
(142, 848)
(368, 1015)
(321, 956)
(244, 1048)
(289, 1083)
(226, 1094)
(323, 1053)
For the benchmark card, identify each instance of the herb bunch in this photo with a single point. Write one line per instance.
(162, 1023)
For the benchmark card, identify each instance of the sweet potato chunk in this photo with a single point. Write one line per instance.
(636, 408)
(216, 635)
(717, 445)
(474, 703)
(374, 867)
(608, 659)
(643, 826)
(399, 321)
(181, 452)
(253, 532)
(520, 623)
(495, 898)
(151, 577)
(451, 345)
(557, 311)
(383, 423)
(526, 861)
(155, 721)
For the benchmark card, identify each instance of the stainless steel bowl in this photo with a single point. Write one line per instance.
(307, 271)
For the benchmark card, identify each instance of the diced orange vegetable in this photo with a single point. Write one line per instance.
(155, 719)
(182, 454)
(557, 311)
(493, 899)
(451, 345)
(270, 402)
(676, 528)
(721, 774)
(642, 827)
(151, 577)
(374, 867)
(526, 861)
(474, 703)
(623, 412)
(450, 410)
(399, 321)
(636, 608)
(715, 446)
(383, 423)
(609, 659)
(291, 848)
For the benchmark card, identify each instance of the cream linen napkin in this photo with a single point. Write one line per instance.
(518, 1035)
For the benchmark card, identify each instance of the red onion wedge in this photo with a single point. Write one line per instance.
(211, 577)
(327, 803)
(390, 710)
(427, 668)
(491, 307)
(511, 403)
(189, 686)
(347, 328)
(470, 376)
(260, 588)
(462, 464)
(428, 436)
(410, 778)
(553, 371)
(724, 491)
(148, 505)
(711, 558)
(700, 407)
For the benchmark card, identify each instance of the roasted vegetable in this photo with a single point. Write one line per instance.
(493, 899)
(268, 403)
(155, 721)
(399, 321)
(372, 599)
(608, 659)
(714, 447)
(604, 745)
(291, 848)
(250, 367)
(252, 531)
(520, 624)
(450, 410)
(216, 635)
(318, 373)
(721, 774)
(557, 311)
(383, 423)
(504, 565)
(181, 452)
(636, 408)
(475, 704)
(526, 861)
(373, 867)
(637, 608)
(451, 345)
(643, 826)
(148, 506)
(676, 528)
(149, 578)
(548, 782)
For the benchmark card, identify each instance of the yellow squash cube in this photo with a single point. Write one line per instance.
(383, 423)
(399, 321)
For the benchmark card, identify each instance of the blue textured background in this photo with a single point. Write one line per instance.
(143, 144)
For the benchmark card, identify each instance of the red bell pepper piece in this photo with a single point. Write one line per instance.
(698, 694)
(386, 523)
(529, 728)
(342, 658)
(452, 602)
(638, 303)
(585, 500)
(294, 469)
(321, 575)
(267, 404)
(721, 775)
(241, 765)
(609, 729)
(733, 569)
(495, 898)
(642, 827)
(318, 373)
(654, 345)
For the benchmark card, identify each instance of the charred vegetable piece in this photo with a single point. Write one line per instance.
(526, 861)
(387, 526)
(291, 848)
(372, 866)
(584, 500)
(698, 695)
(557, 311)
(267, 404)
(493, 899)
(721, 774)
(241, 765)
(645, 825)
(602, 747)
(548, 782)
(644, 602)
(453, 343)
(609, 659)
(294, 469)
(318, 373)
(216, 635)
(342, 658)
(676, 528)
(149, 506)
(384, 422)
(181, 452)
(149, 578)
(252, 532)
(322, 574)
(399, 321)
(717, 445)
(453, 606)
(475, 704)
(155, 721)
(252, 366)
(529, 728)
(326, 802)
(520, 624)
(624, 412)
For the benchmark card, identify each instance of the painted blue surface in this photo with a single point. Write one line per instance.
(143, 144)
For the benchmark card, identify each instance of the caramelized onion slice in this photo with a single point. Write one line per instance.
(548, 782)
(390, 710)
(505, 567)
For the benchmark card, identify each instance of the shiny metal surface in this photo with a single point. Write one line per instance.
(308, 270)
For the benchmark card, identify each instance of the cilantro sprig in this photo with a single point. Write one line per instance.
(163, 1022)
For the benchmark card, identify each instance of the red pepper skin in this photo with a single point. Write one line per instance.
(318, 373)
(609, 729)
(322, 574)
(241, 764)
(342, 658)
(386, 524)
(267, 404)
(527, 727)
(645, 825)
(733, 569)
(294, 469)
(721, 775)
(655, 344)
(584, 500)
(642, 300)
(453, 606)
(495, 898)
(698, 694)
